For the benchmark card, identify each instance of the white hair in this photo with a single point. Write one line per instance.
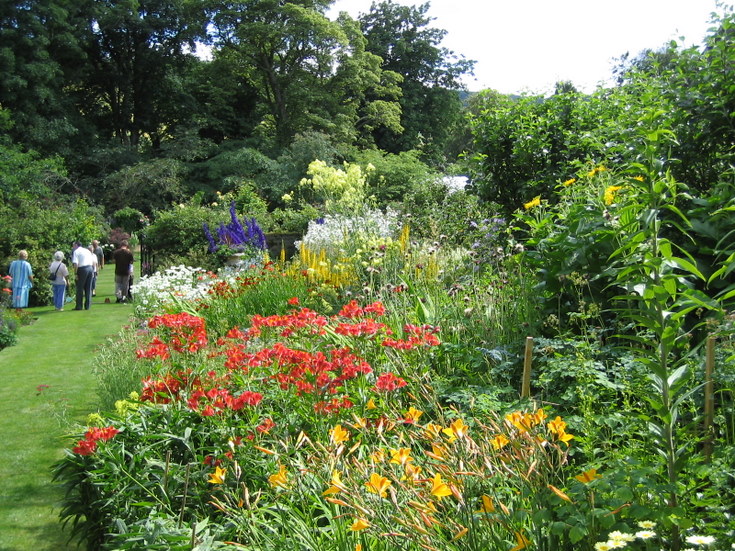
(58, 255)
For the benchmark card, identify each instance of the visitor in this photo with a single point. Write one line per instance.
(95, 270)
(59, 272)
(22, 273)
(100, 254)
(83, 261)
(123, 268)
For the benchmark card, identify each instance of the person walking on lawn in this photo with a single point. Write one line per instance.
(83, 261)
(123, 259)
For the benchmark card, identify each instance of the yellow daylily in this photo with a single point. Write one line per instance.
(522, 542)
(432, 430)
(439, 489)
(338, 435)
(378, 456)
(336, 484)
(499, 441)
(487, 505)
(218, 476)
(401, 456)
(359, 524)
(378, 484)
(413, 414)
(371, 404)
(557, 426)
(588, 476)
(279, 479)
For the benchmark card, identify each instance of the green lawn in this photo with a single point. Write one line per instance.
(57, 350)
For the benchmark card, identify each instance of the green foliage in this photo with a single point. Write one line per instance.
(177, 235)
(145, 186)
(393, 176)
(129, 219)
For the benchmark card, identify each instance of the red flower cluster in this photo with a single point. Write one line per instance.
(310, 373)
(353, 310)
(424, 335)
(301, 319)
(206, 396)
(387, 382)
(367, 327)
(186, 333)
(89, 445)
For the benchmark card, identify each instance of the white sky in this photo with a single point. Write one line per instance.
(529, 45)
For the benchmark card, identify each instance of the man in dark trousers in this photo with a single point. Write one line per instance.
(83, 260)
(123, 259)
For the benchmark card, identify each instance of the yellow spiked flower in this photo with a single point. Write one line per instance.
(378, 484)
(218, 476)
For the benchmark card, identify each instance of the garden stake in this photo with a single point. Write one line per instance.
(526, 384)
(186, 491)
(709, 398)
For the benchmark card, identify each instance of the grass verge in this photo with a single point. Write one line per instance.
(48, 386)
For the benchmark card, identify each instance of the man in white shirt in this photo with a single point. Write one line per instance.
(83, 260)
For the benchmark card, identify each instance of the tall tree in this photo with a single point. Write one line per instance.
(402, 37)
(37, 40)
(136, 52)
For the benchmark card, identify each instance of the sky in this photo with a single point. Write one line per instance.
(529, 45)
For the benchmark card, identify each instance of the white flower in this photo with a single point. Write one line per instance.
(616, 544)
(645, 534)
(700, 540)
(647, 524)
(602, 546)
(617, 535)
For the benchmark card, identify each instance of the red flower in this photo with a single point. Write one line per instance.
(293, 301)
(85, 447)
(388, 382)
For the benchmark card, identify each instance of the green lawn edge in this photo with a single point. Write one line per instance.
(57, 350)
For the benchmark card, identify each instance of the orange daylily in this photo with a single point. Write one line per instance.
(439, 489)
(378, 484)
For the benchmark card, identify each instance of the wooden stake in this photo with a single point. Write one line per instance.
(709, 398)
(528, 356)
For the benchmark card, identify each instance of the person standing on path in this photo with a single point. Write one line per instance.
(123, 267)
(60, 272)
(100, 254)
(83, 261)
(22, 273)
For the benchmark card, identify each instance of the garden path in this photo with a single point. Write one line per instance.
(48, 386)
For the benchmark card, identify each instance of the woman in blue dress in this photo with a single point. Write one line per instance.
(22, 273)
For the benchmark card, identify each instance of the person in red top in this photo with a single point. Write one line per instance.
(123, 260)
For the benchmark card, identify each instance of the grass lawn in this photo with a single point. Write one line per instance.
(57, 350)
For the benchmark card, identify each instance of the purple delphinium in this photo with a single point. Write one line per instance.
(236, 236)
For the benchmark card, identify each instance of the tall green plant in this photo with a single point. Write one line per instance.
(657, 276)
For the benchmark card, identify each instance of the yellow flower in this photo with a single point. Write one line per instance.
(521, 541)
(535, 202)
(569, 182)
(459, 428)
(378, 456)
(499, 441)
(432, 430)
(218, 476)
(401, 456)
(557, 425)
(565, 437)
(460, 534)
(280, 479)
(588, 476)
(638, 178)
(439, 489)
(338, 435)
(413, 414)
(412, 473)
(610, 194)
(359, 524)
(487, 505)
(437, 452)
(371, 404)
(378, 484)
(336, 484)
(518, 420)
